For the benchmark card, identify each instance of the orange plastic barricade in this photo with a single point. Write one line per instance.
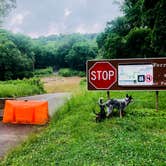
(25, 112)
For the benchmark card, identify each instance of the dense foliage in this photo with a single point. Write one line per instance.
(62, 51)
(21, 55)
(74, 138)
(139, 33)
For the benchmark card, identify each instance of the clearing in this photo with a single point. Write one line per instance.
(56, 84)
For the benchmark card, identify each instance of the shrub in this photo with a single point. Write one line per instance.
(66, 72)
(43, 72)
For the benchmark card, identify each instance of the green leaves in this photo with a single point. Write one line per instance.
(139, 33)
(14, 63)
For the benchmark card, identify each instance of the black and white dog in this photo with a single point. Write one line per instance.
(119, 104)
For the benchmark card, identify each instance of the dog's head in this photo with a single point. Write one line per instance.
(129, 99)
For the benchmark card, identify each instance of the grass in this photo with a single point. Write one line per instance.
(17, 88)
(73, 138)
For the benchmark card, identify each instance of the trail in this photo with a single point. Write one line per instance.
(12, 135)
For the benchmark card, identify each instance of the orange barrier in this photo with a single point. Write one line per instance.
(25, 112)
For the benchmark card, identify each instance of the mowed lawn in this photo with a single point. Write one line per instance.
(74, 138)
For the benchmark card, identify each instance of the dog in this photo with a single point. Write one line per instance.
(100, 116)
(119, 104)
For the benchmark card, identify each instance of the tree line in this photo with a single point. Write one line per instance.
(20, 55)
(139, 33)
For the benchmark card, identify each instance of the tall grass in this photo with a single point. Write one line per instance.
(74, 138)
(17, 88)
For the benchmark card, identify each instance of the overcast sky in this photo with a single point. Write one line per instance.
(45, 17)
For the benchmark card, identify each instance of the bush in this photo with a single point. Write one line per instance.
(18, 88)
(66, 72)
(43, 72)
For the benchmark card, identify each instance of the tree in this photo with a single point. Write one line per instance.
(139, 33)
(133, 12)
(5, 8)
(13, 64)
(138, 43)
(79, 54)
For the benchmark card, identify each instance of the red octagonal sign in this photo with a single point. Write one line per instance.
(102, 75)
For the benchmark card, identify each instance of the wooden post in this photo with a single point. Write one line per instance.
(108, 95)
(157, 100)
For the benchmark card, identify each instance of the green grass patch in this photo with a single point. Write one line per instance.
(43, 72)
(74, 138)
(67, 72)
(17, 88)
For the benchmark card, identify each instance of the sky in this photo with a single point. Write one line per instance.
(46, 17)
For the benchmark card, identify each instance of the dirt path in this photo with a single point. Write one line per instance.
(12, 135)
(56, 84)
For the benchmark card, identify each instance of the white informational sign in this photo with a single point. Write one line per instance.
(133, 75)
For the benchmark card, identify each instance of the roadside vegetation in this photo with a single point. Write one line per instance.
(17, 88)
(67, 72)
(74, 138)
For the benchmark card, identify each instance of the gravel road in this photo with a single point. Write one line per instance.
(12, 135)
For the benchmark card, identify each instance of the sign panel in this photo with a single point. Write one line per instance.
(127, 74)
(135, 75)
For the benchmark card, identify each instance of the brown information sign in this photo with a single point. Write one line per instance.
(127, 74)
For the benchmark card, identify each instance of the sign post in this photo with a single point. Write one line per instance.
(157, 100)
(127, 74)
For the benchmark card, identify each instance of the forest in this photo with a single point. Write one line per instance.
(20, 55)
(139, 33)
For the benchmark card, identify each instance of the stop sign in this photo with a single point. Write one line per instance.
(102, 75)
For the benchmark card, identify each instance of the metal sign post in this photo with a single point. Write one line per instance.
(157, 100)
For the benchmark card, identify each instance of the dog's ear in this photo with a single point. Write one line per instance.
(100, 101)
(127, 95)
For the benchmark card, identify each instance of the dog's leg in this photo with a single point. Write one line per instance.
(109, 110)
(120, 112)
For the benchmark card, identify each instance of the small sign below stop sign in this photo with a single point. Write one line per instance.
(102, 75)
